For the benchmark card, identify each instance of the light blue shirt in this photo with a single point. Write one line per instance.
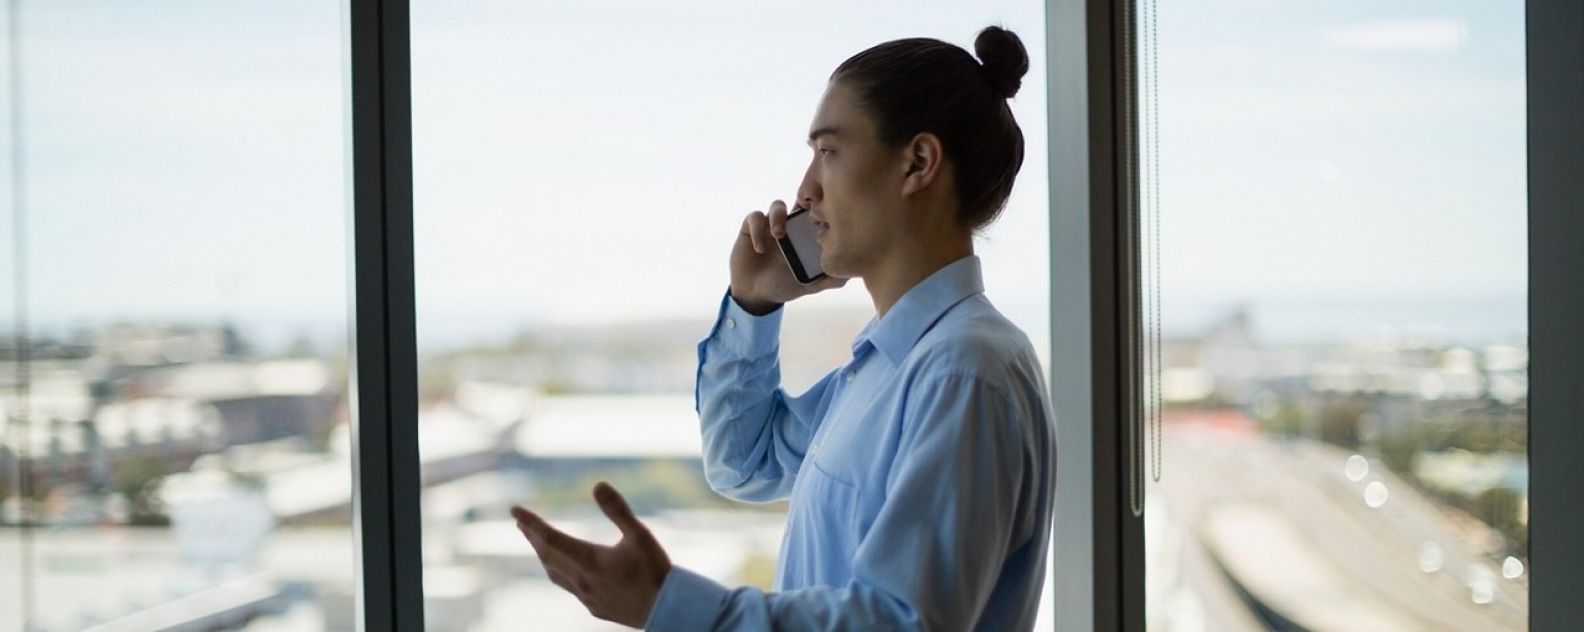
(921, 473)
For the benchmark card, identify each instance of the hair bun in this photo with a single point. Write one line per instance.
(1003, 60)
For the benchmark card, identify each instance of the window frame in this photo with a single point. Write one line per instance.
(1554, 40)
(386, 512)
(1090, 546)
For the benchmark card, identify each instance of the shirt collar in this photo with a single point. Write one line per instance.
(920, 307)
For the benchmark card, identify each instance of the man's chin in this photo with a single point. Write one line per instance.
(833, 267)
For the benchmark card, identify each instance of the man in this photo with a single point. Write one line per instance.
(921, 473)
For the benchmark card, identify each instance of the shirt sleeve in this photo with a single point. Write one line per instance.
(754, 433)
(957, 505)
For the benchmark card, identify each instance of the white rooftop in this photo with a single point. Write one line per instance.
(611, 426)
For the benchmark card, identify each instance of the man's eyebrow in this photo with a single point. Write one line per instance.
(822, 131)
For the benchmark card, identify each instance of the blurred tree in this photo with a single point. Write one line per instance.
(757, 570)
(1500, 508)
(1400, 451)
(1286, 421)
(137, 479)
(1339, 420)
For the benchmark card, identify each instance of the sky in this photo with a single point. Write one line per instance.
(1343, 147)
(590, 161)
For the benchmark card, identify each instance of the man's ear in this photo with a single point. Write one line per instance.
(922, 162)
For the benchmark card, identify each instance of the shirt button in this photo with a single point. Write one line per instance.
(731, 323)
(850, 376)
(813, 448)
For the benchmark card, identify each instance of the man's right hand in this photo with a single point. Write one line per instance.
(760, 278)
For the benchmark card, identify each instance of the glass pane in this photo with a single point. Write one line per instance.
(180, 421)
(581, 170)
(11, 566)
(1342, 277)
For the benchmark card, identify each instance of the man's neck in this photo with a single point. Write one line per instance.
(909, 266)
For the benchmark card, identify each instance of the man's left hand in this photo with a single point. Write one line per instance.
(616, 583)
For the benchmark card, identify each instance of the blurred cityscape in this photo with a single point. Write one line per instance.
(1379, 484)
(220, 477)
(1376, 484)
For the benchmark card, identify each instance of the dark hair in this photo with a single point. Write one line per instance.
(917, 85)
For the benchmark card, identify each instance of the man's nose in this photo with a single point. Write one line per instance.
(809, 192)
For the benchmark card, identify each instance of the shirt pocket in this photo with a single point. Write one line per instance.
(853, 448)
(830, 504)
(846, 466)
(852, 453)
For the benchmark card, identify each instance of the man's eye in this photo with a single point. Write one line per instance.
(824, 152)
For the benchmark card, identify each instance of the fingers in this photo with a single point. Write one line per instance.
(549, 557)
(554, 547)
(764, 229)
(616, 508)
(778, 219)
(757, 227)
(610, 582)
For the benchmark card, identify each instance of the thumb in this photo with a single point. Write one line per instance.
(615, 508)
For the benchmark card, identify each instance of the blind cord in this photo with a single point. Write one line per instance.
(1156, 367)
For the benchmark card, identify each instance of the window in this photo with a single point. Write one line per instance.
(174, 448)
(580, 173)
(1335, 222)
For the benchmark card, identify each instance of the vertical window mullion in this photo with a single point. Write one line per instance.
(1090, 545)
(384, 365)
(1555, 42)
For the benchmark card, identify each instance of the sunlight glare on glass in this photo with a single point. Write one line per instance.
(1430, 557)
(1357, 466)
(1375, 494)
(1512, 568)
(1482, 588)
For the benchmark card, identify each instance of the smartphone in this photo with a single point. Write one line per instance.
(801, 248)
